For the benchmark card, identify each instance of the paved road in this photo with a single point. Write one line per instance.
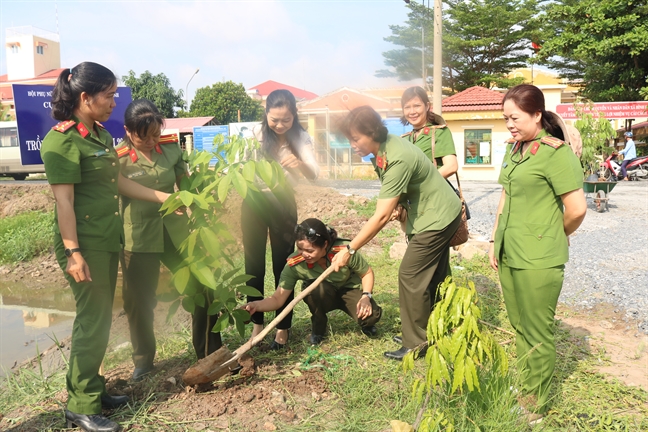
(608, 254)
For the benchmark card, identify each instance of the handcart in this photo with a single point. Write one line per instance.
(600, 191)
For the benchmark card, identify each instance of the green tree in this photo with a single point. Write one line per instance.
(223, 101)
(157, 89)
(483, 40)
(600, 46)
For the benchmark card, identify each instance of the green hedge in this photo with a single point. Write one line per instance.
(24, 236)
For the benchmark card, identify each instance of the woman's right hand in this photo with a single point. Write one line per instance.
(251, 307)
(78, 268)
(491, 256)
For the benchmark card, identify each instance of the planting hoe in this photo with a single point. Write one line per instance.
(222, 361)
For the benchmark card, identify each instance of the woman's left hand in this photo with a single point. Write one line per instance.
(363, 308)
(290, 161)
(341, 259)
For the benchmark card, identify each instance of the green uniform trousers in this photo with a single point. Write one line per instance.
(91, 328)
(326, 298)
(141, 272)
(531, 297)
(425, 265)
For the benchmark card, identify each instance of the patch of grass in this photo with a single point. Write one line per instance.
(366, 210)
(369, 390)
(24, 236)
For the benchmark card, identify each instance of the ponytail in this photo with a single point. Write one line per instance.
(88, 77)
(550, 125)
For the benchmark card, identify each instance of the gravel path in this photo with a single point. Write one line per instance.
(609, 252)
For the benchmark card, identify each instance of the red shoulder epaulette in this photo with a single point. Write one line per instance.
(100, 125)
(64, 125)
(122, 151)
(552, 141)
(293, 261)
(169, 139)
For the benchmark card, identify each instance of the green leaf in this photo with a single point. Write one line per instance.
(215, 307)
(203, 274)
(223, 187)
(458, 376)
(196, 180)
(185, 183)
(230, 273)
(241, 279)
(240, 317)
(188, 304)
(249, 170)
(264, 169)
(181, 279)
(249, 291)
(169, 296)
(191, 243)
(186, 198)
(239, 184)
(210, 242)
(199, 300)
(172, 310)
(222, 323)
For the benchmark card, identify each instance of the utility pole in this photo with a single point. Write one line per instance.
(187, 88)
(437, 88)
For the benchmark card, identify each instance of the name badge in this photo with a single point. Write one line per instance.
(504, 165)
(101, 153)
(135, 174)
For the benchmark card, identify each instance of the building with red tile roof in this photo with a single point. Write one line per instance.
(473, 99)
(262, 91)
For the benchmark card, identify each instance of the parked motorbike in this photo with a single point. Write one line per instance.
(611, 168)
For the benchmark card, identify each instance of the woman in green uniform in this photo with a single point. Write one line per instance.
(83, 171)
(429, 130)
(541, 204)
(350, 290)
(275, 215)
(153, 161)
(433, 215)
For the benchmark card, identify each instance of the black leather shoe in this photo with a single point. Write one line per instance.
(275, 346)
(316, 339)
(140, 372)
(91, 423)
(108, 401)
(398, 339)
(398, 355)
(370, 331)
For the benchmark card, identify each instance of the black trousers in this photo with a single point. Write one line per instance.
(141, 273)
(326, 298)
(268, 216)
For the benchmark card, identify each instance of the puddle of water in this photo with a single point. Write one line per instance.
(31, 319)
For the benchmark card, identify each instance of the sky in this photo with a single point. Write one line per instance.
(315, 45)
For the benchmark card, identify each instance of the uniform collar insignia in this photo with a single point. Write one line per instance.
(381, 162)
(535, 147)
(310, 266)
(82, 130)
(158, 149)
(133, 156)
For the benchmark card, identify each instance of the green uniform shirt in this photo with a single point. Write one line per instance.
(72, 154)
(443, 142)
(143, 222)
(349, 276)
(530, 228)
(406, 172)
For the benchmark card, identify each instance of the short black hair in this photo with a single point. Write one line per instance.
(367, 121)
(140, 115)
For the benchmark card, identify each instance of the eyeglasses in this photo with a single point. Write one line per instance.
(306, 231)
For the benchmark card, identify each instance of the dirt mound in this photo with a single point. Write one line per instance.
(15, 199)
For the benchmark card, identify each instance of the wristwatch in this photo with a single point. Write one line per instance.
(351, 250)
(69, 252)
(368, 294)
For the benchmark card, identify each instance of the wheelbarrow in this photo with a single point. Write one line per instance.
(599, 191)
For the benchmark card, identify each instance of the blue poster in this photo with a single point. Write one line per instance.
(33, 104)
(204, 137)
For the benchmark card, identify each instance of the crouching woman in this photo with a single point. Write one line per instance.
(349, 290)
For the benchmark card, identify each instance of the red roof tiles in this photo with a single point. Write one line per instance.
(264, 89)
(474, 99)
